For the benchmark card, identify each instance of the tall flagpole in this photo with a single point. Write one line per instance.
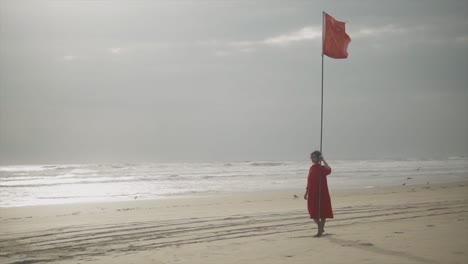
(321, 124)
(321, 110)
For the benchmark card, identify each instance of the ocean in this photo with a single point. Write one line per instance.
(28, 185)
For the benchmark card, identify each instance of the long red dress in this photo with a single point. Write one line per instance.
(313, 193)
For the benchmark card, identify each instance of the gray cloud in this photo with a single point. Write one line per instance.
(216, 80)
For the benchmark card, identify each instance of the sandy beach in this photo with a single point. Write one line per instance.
(407, 224)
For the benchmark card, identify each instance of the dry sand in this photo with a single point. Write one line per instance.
(407, 224)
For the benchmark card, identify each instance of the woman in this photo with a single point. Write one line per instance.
(312, 192)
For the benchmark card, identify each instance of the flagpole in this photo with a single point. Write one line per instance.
(321, 124)
(321, 110)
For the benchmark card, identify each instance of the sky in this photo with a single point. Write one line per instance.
(128, 81)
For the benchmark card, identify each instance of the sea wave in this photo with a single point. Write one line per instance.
(26, 168)
(37, 168)
(33, 184)
(267, 164)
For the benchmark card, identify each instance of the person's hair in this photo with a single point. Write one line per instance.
(317, 153)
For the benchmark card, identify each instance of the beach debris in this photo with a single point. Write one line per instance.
(295, 196)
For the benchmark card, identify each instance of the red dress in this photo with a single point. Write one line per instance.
(313, 193)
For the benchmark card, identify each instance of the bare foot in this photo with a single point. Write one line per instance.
(319, 233)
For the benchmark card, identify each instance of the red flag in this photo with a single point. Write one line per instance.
(336, 40)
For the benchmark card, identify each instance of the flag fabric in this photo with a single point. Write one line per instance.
(335, 44)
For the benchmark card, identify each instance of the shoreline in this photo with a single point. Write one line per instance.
(292, 191)
(404, 224)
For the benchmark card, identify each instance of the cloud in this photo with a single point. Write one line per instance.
(439, 34)
(462, 39)
(304, 34)
(248, 46)
(222, 53)
(373, 32)
(115, 50)
(312, 33)
(69, 58)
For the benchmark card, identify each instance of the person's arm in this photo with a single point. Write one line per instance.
(307, 187)
(325, 163)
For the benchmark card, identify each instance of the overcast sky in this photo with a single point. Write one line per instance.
(95, 81)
